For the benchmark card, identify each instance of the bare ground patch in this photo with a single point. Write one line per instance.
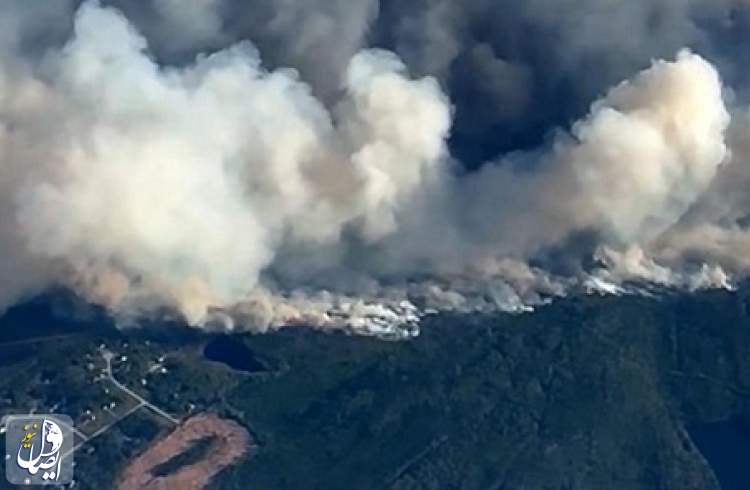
(230, 442)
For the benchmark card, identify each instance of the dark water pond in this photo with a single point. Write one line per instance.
(726, 447)
(233, 352)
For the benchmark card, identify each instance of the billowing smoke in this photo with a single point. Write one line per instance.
(154, 156)
(629, 170)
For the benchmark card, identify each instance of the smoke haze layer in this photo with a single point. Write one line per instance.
(304, 163)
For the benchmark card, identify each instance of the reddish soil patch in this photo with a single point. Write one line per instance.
(232, 442)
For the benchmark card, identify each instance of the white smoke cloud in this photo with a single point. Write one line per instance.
(231, 193)
(629, 170)
(186, 180)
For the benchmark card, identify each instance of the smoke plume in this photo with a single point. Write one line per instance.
(294, 163)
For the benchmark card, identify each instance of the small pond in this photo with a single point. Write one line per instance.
(233, 352)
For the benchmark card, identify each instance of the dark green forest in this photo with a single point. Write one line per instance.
(585, 393)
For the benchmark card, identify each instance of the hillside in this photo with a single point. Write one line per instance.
(586, 393)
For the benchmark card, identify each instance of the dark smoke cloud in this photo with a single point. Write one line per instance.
(513, 70)
(568, 53)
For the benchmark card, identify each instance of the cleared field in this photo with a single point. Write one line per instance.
(230, 441)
